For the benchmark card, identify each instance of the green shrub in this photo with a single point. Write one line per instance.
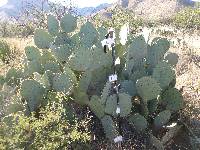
(52, 130)
(5, 51)
(188, 18)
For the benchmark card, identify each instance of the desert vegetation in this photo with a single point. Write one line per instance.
(55, 86)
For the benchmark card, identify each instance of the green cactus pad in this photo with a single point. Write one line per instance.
(47, 57)
(148, 88)
(97, 107)
(42, 79)
(52, 66)
(13, 77)
(33, 92)
(111, 105)
(164, 74)
(109, 127)
(85, 81)
(138, 121)
(137, 52)
(71, 75)
(156, 51)
(62, 83)
(81, 59)
(35, 66)
(32, 53)
(137, 74)
(172, 59)
(127, 86)
(42, 39)
(125, 104)
(61, 53)
(162, 118)
(68, 23)
(62, 39)
(172, 99)
(106, 92)
(102, 32)
(88, 35)
(81, 97)
(53, 25)
(100, 59)
(152, 105)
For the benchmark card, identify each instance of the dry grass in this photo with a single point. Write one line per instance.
(17, 45)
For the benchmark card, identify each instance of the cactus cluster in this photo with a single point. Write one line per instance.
(73, 63)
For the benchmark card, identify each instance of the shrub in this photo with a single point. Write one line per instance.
(52, 130)
(188, 18)
(5, 51)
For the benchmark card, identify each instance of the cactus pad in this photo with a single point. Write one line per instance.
(164, 74)
(162, 118)
(138, 121)
(172, 99)
(80, 97)
(157, 50)
(13, 77)
(52, 66)
(127, 86)
(109, 127)
(33, 92)
(62, 83)
(32, 53)
(88, 35)
(96, 106)
(61, 53)
(68, 23)
(62, 39)
(111, 105)
(53, 25)
(172, 59)
(148, 88)
(42, 39)
(106, 92)
(152, 105)
(125, 104)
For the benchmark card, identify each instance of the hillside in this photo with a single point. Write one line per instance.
(155, 9)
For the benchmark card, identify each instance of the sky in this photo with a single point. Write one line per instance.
(79, 3)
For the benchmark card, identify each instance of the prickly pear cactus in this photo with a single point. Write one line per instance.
(42, 39)
(53, 25)
(106, 92)
(128, 86)
(125, 104)
(138, 121)
(111, 105)
(33, 92)
(156, 51)
(162, 118)
(61, 53)
(88, 35)
(172, 99)
(164, 74)
(62, 83)
(32, 53)
(109, 127)
(172, 59)
(148, 88)
(68, 23)
(96, 106)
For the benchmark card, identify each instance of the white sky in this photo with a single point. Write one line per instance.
(3, 2)
(79, 3)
